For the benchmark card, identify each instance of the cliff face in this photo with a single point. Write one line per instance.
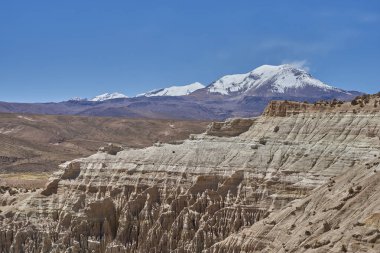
(203, 195)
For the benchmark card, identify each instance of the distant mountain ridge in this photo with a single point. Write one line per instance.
(239, 95)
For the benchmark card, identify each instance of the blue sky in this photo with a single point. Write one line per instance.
(55, 50)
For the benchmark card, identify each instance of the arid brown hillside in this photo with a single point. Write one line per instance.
(38, 143)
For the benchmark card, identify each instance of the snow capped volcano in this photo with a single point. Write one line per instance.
(174, 90)
(268, 80)
(108, 96)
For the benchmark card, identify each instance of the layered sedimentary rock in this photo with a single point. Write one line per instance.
(341, 216)
(199, 196)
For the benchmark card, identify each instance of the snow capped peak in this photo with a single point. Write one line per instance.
(174, 90)
(275, 79)
(108, 96)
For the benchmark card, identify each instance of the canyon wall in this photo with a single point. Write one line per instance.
(203, 195)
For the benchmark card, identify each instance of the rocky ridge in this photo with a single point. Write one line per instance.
(211, 192)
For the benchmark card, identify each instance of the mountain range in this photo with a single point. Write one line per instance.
(238, 95)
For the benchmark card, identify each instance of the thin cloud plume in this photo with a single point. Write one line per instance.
(300, 64)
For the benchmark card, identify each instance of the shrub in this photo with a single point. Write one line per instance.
(354, 102)
(263, 141)
(326, 226)
(371, 133)
(276, 128)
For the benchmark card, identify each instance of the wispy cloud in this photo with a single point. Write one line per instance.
(359, 16)
(301, 64)
(291, 46)
(368, 17)
(324, 44)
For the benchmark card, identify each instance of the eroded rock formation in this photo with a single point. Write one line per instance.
(341, 216)
(211, 193)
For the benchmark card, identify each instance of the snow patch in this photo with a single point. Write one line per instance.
(174, 90)
(108, 96)
(26, 118)
(4, 130)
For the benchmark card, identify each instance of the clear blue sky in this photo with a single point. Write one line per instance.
(55, 50)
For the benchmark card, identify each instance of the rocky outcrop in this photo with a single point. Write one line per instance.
(285, 108)
(229, 128)
(111, 149)
(205, 194)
